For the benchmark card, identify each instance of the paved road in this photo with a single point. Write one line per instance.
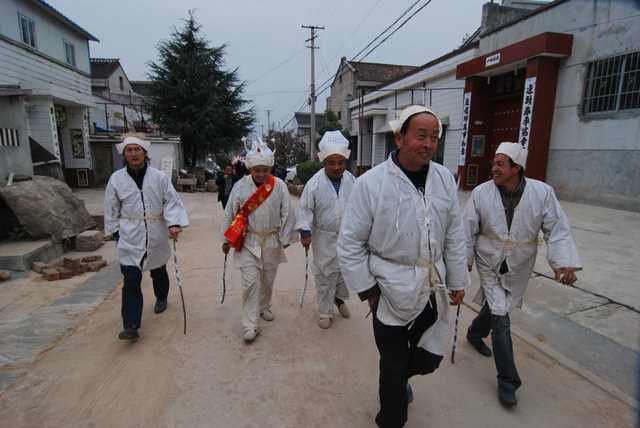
(294, 375)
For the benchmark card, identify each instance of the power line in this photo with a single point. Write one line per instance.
(397, 28)
(320, 91)
(274, 68)
(386, 29)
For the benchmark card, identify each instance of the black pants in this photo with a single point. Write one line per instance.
(500, 328)
(401, 358)
(132, 300)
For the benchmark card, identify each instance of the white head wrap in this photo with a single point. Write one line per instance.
(258, 153)
(133, 140)
(333, 143)
(407, 112)
(515, 152)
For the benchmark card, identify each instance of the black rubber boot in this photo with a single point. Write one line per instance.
(479, 345)
(130, 334)
(160, 306)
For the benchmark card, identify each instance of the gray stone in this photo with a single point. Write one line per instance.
(20, 255)
(37, 267)
(47, 208)
(90, 240)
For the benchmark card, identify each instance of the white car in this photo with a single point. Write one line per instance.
(291, 173)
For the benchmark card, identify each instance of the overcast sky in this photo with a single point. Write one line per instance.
(261, 34)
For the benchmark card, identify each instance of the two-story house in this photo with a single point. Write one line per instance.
(354, 79)
(45, 92)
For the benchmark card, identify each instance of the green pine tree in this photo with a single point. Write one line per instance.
(194, 96)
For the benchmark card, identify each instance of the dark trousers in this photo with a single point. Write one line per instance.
(132, 300)
(401, 358)
(500, 328)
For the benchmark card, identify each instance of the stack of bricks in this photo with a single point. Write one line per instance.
(69, 267)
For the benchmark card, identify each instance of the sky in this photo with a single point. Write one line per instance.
(266, 43)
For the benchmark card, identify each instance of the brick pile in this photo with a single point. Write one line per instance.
(69, 267)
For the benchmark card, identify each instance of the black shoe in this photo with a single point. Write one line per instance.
(129, 334)
(160, 306)
(507, 398)
(409, 394)
(478, 345)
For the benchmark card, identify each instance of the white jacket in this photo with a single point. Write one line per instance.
(269, 227)
(142, 217)
(320, 211)
(489, 241)
(407, 243)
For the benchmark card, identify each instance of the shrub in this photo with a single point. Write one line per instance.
(305, 170)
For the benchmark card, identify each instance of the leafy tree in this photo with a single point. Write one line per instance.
(290, 149)
(195, 96)
(332, 123)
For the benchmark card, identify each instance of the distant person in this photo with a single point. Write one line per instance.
(240, 170)
(319, 216)
(142, 211)
(258, 224)
(225, 182)
(504, 217)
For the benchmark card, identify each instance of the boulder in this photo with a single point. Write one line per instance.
(47, 208)
(4, 276)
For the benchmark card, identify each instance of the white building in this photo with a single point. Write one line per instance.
(45, 91)
(562, 79)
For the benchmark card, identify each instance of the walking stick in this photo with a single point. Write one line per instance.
(224, 279)
(455, 336)
(179, 282)
(306, 275)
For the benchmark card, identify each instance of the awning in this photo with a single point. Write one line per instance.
(39, 153)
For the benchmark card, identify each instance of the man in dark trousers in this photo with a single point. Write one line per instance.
(401, 247)
(142, 211)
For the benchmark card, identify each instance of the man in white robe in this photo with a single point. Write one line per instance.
(402, 248)
(318, 219)
(269, 230)
(504, 217)
(142, 210)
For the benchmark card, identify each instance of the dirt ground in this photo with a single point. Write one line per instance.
(294, 375)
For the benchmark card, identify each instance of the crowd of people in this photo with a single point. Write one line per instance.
(395, 237)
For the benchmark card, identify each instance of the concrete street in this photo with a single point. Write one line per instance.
(298, 375)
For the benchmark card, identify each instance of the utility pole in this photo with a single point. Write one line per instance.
(268, 121)
(312, 97)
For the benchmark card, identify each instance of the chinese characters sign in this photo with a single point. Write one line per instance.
(466, 113)
(527, 111)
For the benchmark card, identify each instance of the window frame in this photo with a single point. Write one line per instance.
(33, 42)
(65, 44)
(598, 75)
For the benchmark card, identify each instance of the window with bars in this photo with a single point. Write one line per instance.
(27, 30)
(69, 53)
(613, 84)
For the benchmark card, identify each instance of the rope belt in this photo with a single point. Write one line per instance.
(508, 242)
(149, 217)
(263, 233)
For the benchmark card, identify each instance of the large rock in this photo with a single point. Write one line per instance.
(47, 208)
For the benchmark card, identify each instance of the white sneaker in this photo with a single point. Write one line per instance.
(344, 310)
(324, 323)
(250, 335)
(267, 315)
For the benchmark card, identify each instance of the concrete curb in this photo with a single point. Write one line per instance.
(568, 363)
(25, 339)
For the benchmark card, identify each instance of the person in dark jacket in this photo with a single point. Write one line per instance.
(225, 182)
